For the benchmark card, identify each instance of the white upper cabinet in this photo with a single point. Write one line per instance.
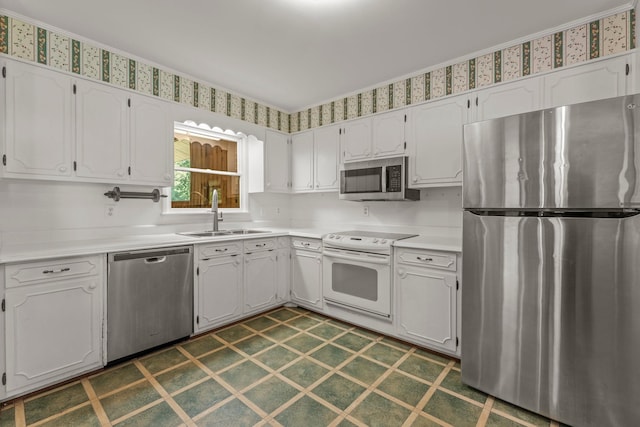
(435, 142)
(507, 99)
(302, 162)
(151, 134)
(597, 80)
(389, 134)
(38, 132)
(276, 158)
(325, 154)
(356, 140)
(102, 138)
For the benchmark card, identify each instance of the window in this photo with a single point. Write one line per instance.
(206, 159)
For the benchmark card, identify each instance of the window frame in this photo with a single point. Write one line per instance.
(205, 131)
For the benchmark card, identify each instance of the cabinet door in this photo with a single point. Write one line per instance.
(326, 150)
(219, 291)
(276, 157)
(426, 307)
(39, 136)
(302, 162)
(436, 142)
(260, 280)
(306, 278)
(151, 142)
(505, 100)
(53, 331)
(599, 80)
(284, 275)
(102, 132)
(356, 140)
(388, 134)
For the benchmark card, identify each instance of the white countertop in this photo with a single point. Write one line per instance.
(436, 243)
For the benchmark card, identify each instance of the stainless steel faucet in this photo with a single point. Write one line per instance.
(214, 210)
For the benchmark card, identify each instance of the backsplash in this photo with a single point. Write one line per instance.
(609, 35)
(606, 36)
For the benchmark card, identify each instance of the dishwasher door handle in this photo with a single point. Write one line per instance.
(155, 260)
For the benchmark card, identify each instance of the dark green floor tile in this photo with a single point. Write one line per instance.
(232, 414)
(367, 333)
(364, 370)
(433, 356)
(277, 357)
(306, 412)
(496, 420)
(115, 378)
(316, 316)
(271, 394)
(338, 391)
(331, 355)
(254, 344)
(404, 388)
(421, 368)
(303, 322)
(234, 333)
(353, 341)
(203, 396)
(304, 372)
(180, 377)
(260, 323)
(325, 331)
(8, 417)
(129, 400)
(280, 333)
(283, 314)
(221, 359)
(453, 410)
(521, 414)
(202, 345)
(243, 375)
(346, 423)
(158, 415)
(303, 342)
(375, 411)
(55, 402)
(161, 361)
(82, 417)
(453, 382)
(339, 324)
(424, 422)
(396, 343)
(385, 354)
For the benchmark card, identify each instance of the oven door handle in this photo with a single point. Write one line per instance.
(363, 258)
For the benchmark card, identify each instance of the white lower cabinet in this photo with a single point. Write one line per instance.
(219, 284)
(427, 299)
(260, 275)
(284, 269)
(54, 314)
(306, 272)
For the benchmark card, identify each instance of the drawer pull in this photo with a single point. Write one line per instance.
(62, 270)
(306, 244)
(424, 259)
(222, 250)
(260, 245)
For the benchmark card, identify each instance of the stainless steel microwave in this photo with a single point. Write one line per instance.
(381, 179)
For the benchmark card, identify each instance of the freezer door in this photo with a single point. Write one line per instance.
(550, 315)
(582, 156)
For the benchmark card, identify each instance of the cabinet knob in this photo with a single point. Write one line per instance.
(62, 168)
(167, 177)
(425, 259)
(93, 285)
(415, 179)
(120, 173)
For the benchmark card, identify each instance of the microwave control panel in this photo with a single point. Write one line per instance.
(394, 178)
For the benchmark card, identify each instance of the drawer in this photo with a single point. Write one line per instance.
(259, 245)
(221, 249)
(309, 244)
(50, 271)
(440, 260)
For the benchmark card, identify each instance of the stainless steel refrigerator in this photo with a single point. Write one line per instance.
(551, 261)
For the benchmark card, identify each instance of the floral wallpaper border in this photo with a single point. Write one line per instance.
(606, 36)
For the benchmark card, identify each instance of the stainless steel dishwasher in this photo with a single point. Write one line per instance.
(149, 299)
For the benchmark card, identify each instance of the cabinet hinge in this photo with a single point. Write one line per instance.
(340, 131)
(129, 170)
(405, 118)
(198, 320)
(457, 284)
(129, 102)
(4, 378)
(405, 145)
(197, 271)
(4, 72)
(4, 159)
(468, 103)
(457, 342)
(628, 69)
(74, 89)
(75, 165)
(476, 101)
(3, 305)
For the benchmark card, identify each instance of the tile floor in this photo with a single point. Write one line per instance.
(287, 367)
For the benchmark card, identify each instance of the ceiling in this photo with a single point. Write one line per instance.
(293, 54)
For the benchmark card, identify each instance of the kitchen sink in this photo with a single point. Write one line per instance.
(221, 233)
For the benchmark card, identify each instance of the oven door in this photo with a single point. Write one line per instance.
(357, 280)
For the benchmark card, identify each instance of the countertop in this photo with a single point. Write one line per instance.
(10, 253)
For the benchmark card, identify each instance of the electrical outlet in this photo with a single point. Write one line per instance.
(365, 210)
(278, 211)
(109, 210)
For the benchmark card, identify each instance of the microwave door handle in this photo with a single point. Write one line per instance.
(385, 171)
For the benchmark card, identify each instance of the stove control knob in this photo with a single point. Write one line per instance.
(375, 240)
(331, 236)
(383, 241)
